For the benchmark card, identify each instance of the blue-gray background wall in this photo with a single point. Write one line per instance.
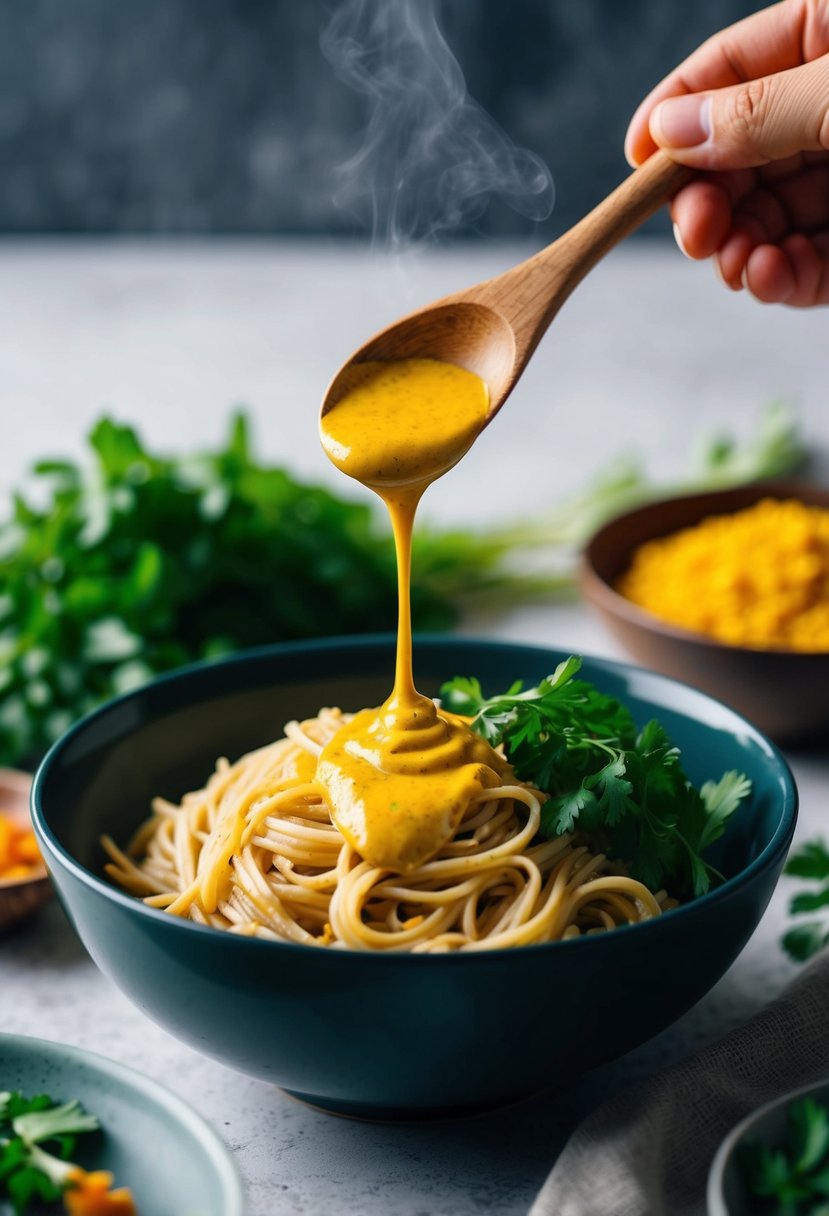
(222, 116)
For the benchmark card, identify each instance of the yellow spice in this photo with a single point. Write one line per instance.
(758, 577)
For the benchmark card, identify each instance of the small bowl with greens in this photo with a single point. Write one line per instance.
(776, 1162)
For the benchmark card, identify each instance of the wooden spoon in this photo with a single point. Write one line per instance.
(494, 327)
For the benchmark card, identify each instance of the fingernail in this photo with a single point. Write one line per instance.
(679, 241)
(682, 122)
(718, 271)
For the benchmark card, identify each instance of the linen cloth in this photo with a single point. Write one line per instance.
(647, 1150)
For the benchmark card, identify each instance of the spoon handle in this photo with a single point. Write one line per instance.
(625, 208)
(529, 296)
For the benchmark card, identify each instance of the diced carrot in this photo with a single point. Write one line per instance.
(7, 835)
(25, 847)
(11, 873)
(89, 1195)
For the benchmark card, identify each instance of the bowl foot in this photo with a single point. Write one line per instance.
(366, 1112)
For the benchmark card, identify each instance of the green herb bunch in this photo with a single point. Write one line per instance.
(140, 563)
(793, 1179)
(134, 563)
(623, 787)
(810, 862)
(37, 1141)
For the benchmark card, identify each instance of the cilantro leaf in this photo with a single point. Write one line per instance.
(805, 940)
(794, 1173)
(809, 1133)
(809, 862)
(625, 789)
(27, 1170)
(809, 901)
(563, 814)
(721, 800)
(31, 1183)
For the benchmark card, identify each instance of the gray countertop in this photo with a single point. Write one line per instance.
(649, 355)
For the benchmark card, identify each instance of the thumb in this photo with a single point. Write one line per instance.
(748, 124)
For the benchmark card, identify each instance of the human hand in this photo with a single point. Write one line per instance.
(750, 108)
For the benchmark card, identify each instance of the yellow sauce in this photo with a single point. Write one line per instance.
(398, 779)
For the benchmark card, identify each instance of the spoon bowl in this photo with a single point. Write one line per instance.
(470, 335)
(493, 328)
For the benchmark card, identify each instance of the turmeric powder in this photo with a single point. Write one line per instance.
(758, 577)
(19, 854)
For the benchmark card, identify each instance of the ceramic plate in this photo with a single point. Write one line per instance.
(150, 1139)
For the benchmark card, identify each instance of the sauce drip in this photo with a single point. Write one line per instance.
(398, 779)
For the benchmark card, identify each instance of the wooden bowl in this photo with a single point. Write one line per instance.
(20, 898)
(784, 692)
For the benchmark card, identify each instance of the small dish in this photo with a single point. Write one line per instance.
(150, 1140)
(20, 898)
(727, 1193)
(783, 692)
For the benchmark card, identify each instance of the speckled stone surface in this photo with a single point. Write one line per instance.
(649, 354)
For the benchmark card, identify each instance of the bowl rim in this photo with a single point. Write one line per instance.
(777, 845)
(715, 1198)
(216, 1150)
(597, 589)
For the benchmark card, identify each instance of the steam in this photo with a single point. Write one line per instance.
(431, 157)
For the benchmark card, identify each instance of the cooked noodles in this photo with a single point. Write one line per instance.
(255, 853)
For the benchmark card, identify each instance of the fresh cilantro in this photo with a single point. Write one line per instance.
(28, 1170)
(793, 1177)
(624, 787)
(809, 862)
(131, 563)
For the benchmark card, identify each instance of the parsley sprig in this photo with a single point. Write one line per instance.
(623, 787)
(810, 862)
(28, 1170)
(794, 1177)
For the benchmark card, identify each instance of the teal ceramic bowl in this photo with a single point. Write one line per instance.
(149, 1140)
(391, 1035)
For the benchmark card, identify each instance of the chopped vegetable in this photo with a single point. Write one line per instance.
(91, 1195)
(793, 1178)
(32, 1175)
(810, 862)
(623, 787)
(19, 854)
(138, 563)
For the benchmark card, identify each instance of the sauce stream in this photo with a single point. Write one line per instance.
(398, 779)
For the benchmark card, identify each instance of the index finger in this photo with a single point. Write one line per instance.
(780, 37)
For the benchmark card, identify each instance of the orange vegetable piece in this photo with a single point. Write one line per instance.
(19, 853)
(7, 834)
(90, 1195)
(25, 847)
